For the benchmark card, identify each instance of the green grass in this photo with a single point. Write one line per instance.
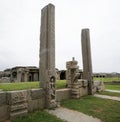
(106, 110)
(28, 85)
(112, 87)
(39, 116)
(107, 79)
(109, 93)
(60, 84)
(18, 86)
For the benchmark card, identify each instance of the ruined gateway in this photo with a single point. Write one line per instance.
(79, 83)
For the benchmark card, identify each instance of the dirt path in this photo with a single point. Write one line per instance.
(72, 115)
(117, 91)
(107, 97)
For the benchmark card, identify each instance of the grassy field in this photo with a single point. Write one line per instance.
(107, 79)
(106, 110)
(28, 85)
(109, 93)
(112, 87)
(18, 86)
(38, 116)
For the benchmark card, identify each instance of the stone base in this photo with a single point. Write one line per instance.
(4, 114)
(18, 114)
(36, 104)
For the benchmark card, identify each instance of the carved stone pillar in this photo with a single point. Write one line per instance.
(72, 69)
(47, 54)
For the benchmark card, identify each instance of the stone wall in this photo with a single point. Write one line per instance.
(20, 103)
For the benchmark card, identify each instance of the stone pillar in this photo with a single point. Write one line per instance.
(47, 54)
(35, 76)
(19, 75)
(26, 75)
(87, 63)
(72, 70)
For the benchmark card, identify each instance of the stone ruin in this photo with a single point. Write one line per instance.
(75, 80)
(20, 74)
(19, 103)
(79, 86)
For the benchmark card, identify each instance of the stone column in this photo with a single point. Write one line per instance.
(87, 62)
(47, 54)
(35, 76)
(72, 70)
(26, 75)
(19, 75)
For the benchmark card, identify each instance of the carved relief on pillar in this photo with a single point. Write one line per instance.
(50, 91)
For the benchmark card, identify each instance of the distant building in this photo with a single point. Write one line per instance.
(20, 74)
(23, 74)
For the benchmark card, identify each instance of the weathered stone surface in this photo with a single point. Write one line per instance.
(80, 83)
(72, 73)
(85, 83)
(37, 93)
(62, 94)
(75, 91)
(94, 90)
(13, 115)
(36, 104)
(84, 91)
(99, 86)
(4, 114)
(17, 101)
(18, 107)
(15, 97)
(3, 99)
(87, 62)
(81, 93)
(76, 85)
(47, 54)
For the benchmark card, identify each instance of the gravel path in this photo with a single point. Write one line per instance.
(72, 115)
(107, 97)
(118, 91)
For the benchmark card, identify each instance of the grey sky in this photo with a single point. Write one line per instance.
(20, 29)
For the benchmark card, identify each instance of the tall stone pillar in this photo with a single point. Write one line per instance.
(47, 54)
(87, 62)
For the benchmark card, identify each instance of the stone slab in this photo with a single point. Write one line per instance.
(3, 100)
(4, 114)
(18, 114)
(37, 93)
(63, 94)
(83, 91)
(18, 107)
(36, 104)
(85, 83)
(15, 97)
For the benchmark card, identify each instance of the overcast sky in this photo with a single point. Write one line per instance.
(20, 30)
